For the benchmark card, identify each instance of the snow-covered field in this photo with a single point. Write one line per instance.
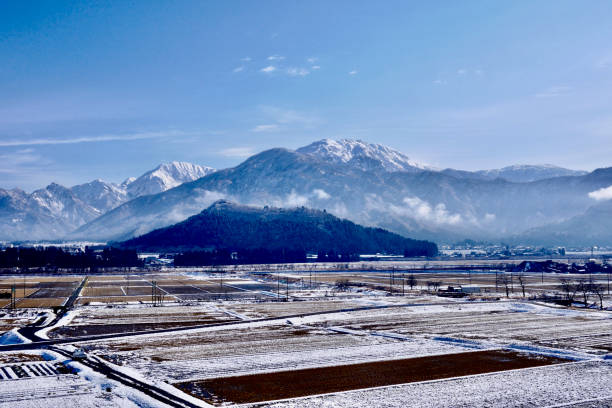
(548, 386)
(318, 328)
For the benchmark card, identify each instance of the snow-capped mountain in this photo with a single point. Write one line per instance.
(526, 173)
(420, 204)
(54, 211)
(362, 155)
(367, 183)
(522, 173)
(101, 195)
(50, 212)
(164, 177)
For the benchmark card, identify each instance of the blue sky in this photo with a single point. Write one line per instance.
(111, 89)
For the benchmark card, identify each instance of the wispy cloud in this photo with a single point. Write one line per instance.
(237, 152)
(265, 128)
(553, 92)
(353, 72)
(461, 71)
(239, 69)
(269, 69)
(312, 60)
(276, 57)
(287, 116)
(245, 59)
(91, 139)
(315, 67)
(293, 71)
(439, 82)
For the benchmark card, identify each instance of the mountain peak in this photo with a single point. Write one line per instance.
(364, 155)
(166, 176)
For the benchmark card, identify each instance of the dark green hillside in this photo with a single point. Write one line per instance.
(226, 226)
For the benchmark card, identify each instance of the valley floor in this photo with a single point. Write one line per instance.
(276, 339)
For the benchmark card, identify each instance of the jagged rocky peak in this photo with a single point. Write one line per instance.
(364, 155)
(166, 176)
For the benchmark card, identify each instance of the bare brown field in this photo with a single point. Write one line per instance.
(121, 299)
(300, 383)
(40, 302)
(102, 292)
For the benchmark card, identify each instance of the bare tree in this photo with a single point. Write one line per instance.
(412, 282)
(597, 290)
(569, 289)
(505, 281)
(583, 286)
(342, 284)
(522, 281)
(433, 286)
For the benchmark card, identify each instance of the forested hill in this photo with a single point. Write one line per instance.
(227, 226)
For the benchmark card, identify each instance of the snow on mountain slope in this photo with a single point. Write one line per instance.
(101, 195)
(166, 176)
(528, 173)
(365, 156)
(54, 211)
(47, 213)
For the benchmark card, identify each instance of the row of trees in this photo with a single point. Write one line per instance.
(54, 257)
(243, 256)
(582, 288)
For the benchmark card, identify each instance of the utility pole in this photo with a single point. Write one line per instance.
(278, 286)
(287, 289)
(24, 285)
(391, 283)
(403, 283)
(13, 296)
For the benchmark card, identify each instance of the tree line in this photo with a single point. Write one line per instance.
(54, 257)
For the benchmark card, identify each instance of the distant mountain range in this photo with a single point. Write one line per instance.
(370, 184)
(55, 211)
(225, 225)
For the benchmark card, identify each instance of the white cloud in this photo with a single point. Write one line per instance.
(439, 82)
(91, 139)
(311, 60)
(462, 71)
(269, 69)
(479, 72)
(264, 128)
(293, 71)
(276, 58)
(321, 194)
(237, 152)
(245, 59)
(353, 72)
(238, 69)
(423, 211)
(489, 217)
(315, 67)
(602, 194)
(553, 92)
(295, 200)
